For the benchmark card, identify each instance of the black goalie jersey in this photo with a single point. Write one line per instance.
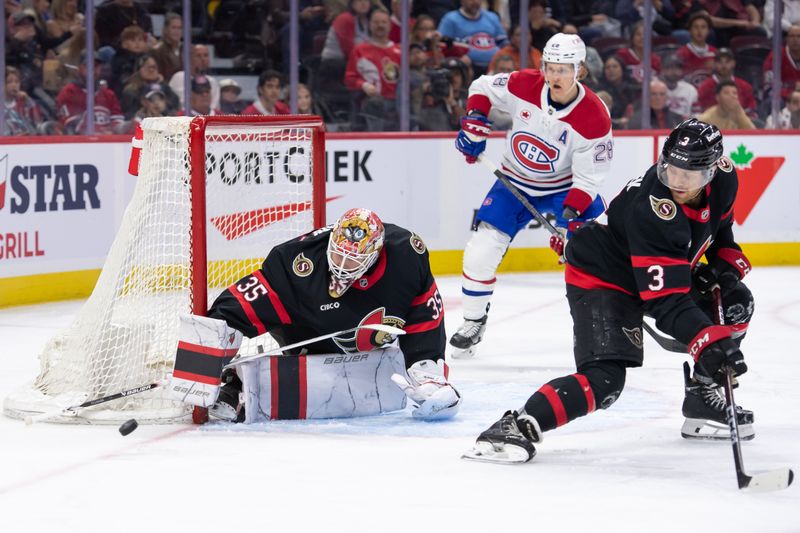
(650, 244)
(288, 297)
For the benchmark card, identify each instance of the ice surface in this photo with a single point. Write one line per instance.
(625, 469)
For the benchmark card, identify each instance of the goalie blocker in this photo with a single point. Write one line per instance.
(205, 346)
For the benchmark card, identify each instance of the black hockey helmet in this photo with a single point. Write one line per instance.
(695, 147)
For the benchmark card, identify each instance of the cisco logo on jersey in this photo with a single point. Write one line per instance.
(533, 153)
(47, 188)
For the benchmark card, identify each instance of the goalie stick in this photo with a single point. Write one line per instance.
(73, 410)
(238, 360)
(761, 481)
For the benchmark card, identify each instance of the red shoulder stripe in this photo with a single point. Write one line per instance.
(274, 299)
(590, 117)
(527, 85)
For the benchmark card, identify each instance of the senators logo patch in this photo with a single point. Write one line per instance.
(417, 244)
(302, 266)
(364, 340)
(635, 336)
(724, 164)
(665, 209)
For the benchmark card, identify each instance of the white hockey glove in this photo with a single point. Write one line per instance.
(205, 345)
(427, 387)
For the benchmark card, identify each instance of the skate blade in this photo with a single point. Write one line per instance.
(463, 353)
(701, 429)
(501, 454)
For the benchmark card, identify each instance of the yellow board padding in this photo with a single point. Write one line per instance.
(40, 288)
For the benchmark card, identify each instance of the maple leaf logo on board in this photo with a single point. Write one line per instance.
(755, 175)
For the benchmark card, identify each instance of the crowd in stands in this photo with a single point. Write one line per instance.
(709, 58)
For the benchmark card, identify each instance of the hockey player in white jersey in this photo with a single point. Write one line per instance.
(557, 154)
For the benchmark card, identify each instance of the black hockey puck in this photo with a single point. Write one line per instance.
(128, 427)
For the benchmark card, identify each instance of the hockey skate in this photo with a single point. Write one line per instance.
(464, 340)
(704, 409)
(227, 407)
(508, 441)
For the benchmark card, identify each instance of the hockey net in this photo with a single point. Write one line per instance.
(190, 231)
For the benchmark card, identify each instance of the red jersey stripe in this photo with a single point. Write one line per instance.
(651, 295)
(274, 299)
(424, 326)
(555, 403)
(248, 310)
(577, 277)
(644, 261)
(587, 390)
(206, 350)
(422, 298)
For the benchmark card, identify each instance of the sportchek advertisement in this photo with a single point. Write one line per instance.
(61, 203)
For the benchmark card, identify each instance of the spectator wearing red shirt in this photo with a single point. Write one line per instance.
(396, 33)
(632, 55)
(790, 64)
(724, 65)
(373, 71)
(697, 55)
(269, 94)
(71, 101)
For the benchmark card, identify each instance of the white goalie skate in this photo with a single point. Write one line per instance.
(465, 340)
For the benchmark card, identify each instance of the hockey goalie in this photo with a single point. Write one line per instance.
(333, 283)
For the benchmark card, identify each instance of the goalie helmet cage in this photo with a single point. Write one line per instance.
(213, 196)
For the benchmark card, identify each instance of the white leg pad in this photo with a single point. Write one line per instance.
(482, 256)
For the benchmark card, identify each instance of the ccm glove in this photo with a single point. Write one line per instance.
(713, 351)
(471, 139)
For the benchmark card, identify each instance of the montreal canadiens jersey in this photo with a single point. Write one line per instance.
(288, 297)
(650, 244)
(548, 150)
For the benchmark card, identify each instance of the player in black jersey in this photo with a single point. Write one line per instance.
(638, 261)
(359, 271)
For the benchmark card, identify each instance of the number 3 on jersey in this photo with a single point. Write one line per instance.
(657, 283)
(251, 288)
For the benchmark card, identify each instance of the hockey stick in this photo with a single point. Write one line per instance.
(238, 360)
(762, 481)
(667, 343)
(519, 196)
(73, 410)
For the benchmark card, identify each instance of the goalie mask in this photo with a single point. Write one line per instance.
(353, 247)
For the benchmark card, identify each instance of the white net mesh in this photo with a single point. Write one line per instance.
(259, 192)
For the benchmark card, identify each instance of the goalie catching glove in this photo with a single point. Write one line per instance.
(427, 387)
